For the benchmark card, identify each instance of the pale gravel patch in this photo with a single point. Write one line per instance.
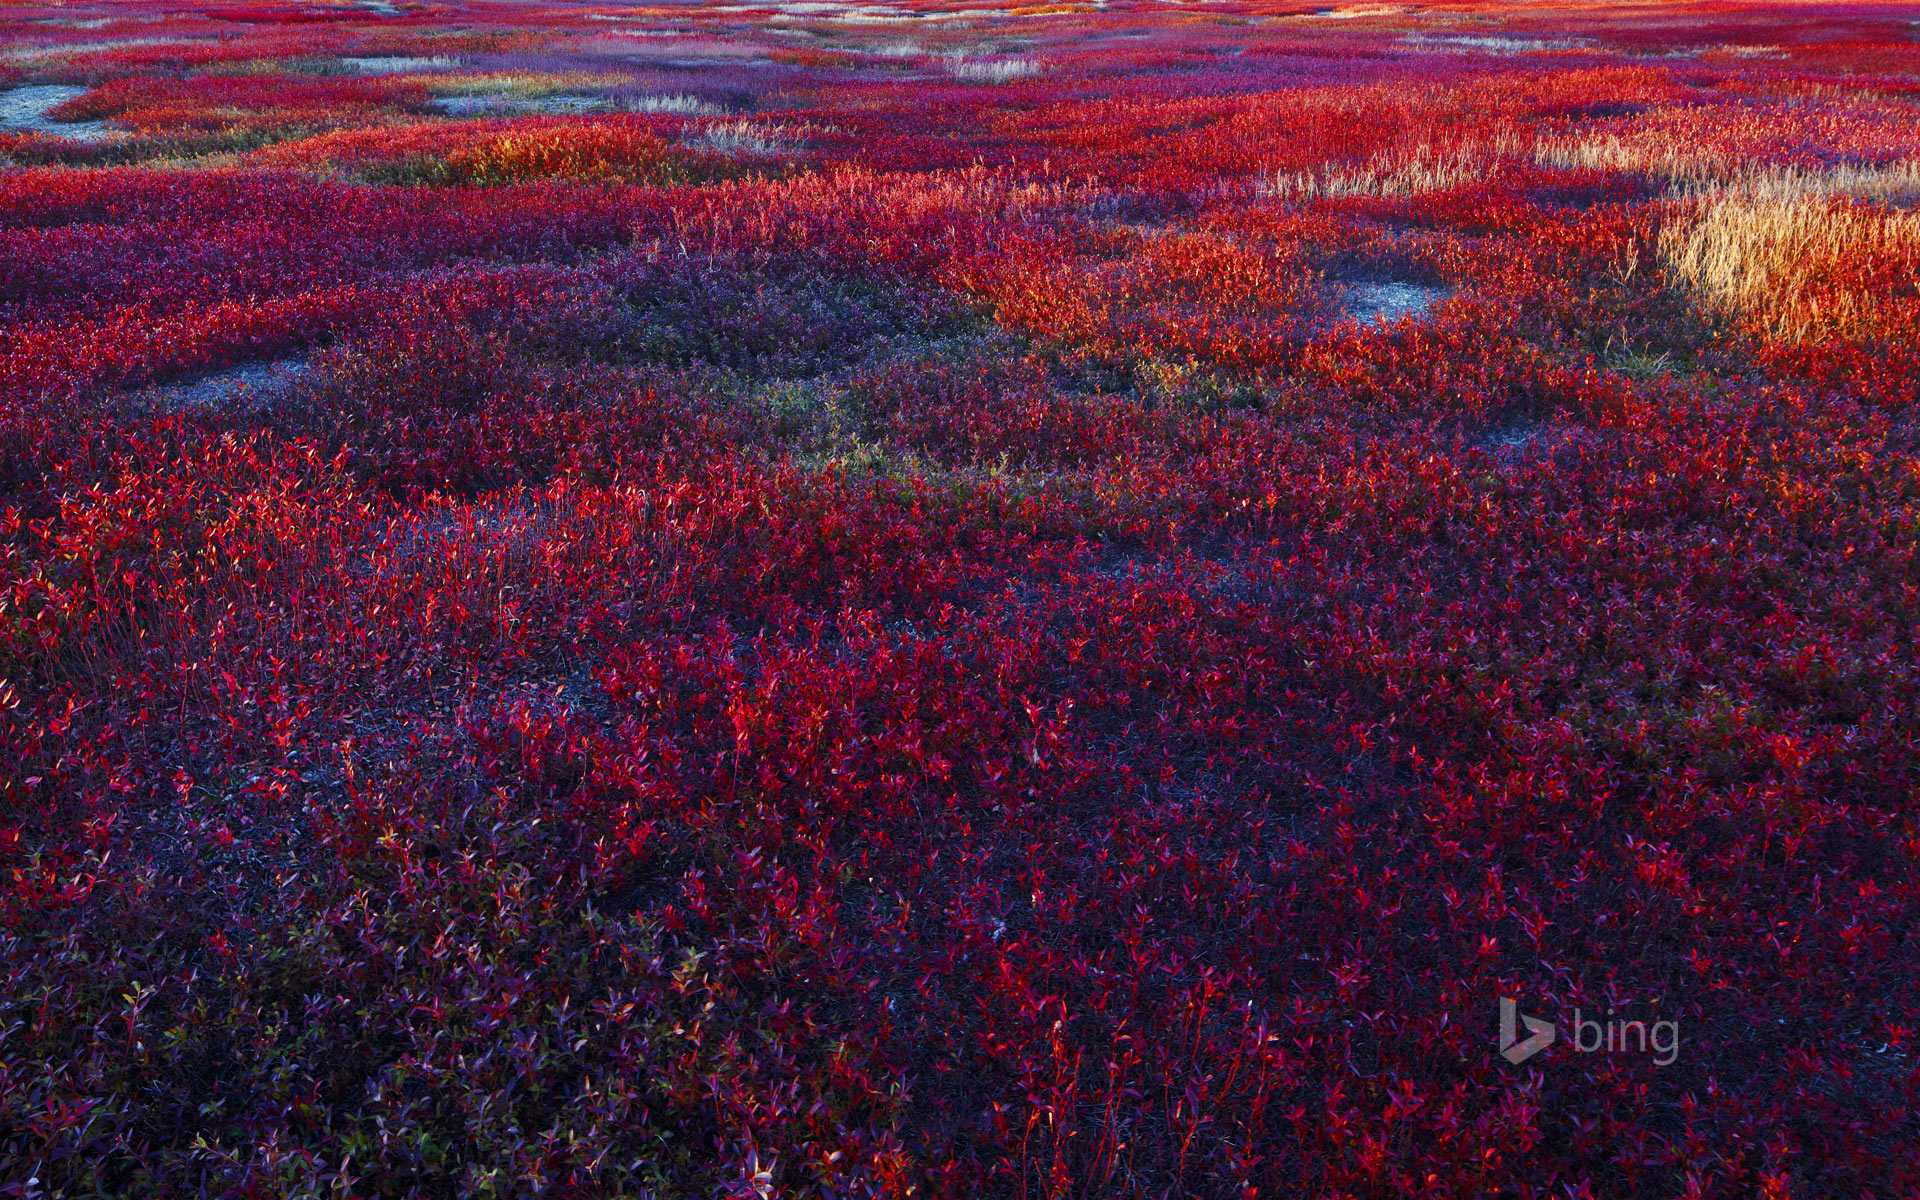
(1513, 439)
(467, 106)
(235, 385)
(399, 64)
(25, 110)
(1493, 43)
(1388, 302)
(1531, 441)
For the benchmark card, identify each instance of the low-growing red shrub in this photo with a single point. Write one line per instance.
(1085, 602)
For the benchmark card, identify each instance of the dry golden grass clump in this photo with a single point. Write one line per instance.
(1403, 170)
(1703, 170)
(1801, 264)
(1799, 252)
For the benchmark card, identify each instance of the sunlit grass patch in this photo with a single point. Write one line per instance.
(1799, 267)
(1402, 170)
(494, 153)
(1692, 169)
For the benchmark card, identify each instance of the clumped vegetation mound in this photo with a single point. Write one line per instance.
(873, 601)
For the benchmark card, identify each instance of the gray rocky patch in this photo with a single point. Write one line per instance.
(1531, 441)
(400, 64)
(25, 109)
(1373, 302)
(470, 106)
(235, 386)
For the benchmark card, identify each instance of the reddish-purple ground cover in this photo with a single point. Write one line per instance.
(864, 599)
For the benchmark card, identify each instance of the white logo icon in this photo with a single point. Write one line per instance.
(1511, 1047)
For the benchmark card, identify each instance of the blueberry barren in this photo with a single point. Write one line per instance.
(870, 599)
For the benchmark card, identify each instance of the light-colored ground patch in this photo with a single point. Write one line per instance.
(467, 106)
(1509, 441)
(1375, 301)
(1460, 43)
(236, 385)
(399, 64)
(24, 110)
(1530, 441)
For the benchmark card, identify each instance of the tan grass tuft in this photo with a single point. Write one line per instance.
(1777, 259)
(1402, 171)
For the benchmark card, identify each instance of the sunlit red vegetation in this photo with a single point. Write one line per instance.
(604, 151)
(849, 601)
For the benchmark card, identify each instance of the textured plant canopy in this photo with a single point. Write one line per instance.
(864, 599)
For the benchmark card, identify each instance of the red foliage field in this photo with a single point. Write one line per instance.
(861, 599)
